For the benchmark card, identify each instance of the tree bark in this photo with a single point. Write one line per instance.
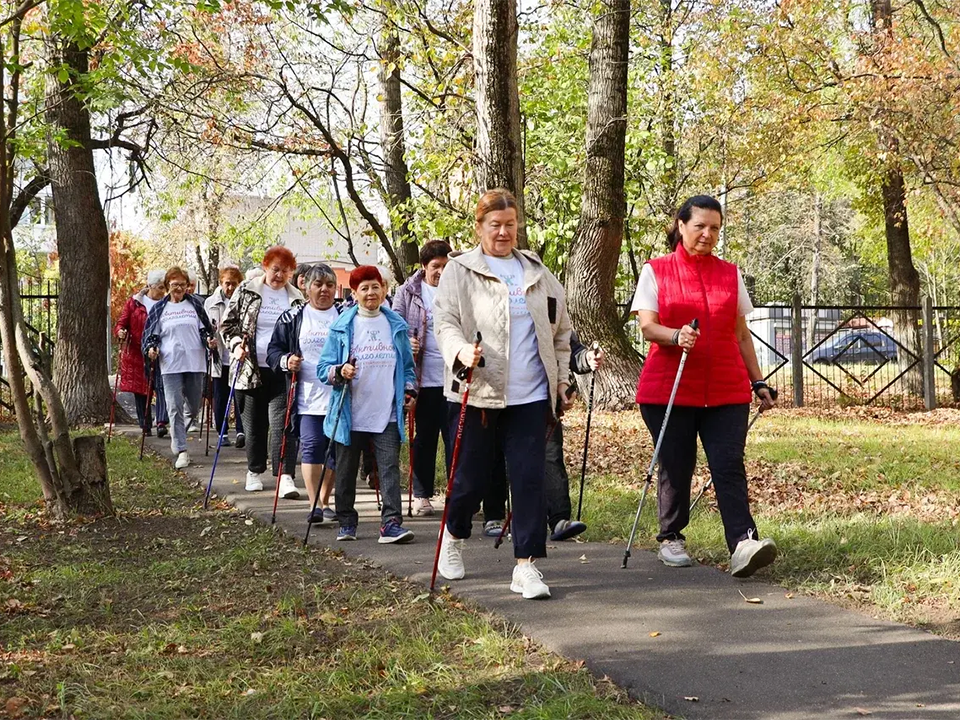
(668, 140)
(80, 360)
(396, 176)
(595, 254)
(815, 270)
(499, 141)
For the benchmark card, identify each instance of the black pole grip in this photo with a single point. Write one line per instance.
(695, 324)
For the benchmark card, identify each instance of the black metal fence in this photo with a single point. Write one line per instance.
(39, 299)
(896, 356)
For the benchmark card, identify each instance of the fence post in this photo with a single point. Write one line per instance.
(796, 351)
(929, 389)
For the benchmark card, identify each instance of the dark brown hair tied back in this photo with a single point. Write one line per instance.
(703, 202)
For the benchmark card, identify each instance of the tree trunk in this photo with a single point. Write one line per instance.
(904, 278)
(391, 139)
(668, 140)
(595, 254)
(499, 142)
(815, 270)
(80, 360)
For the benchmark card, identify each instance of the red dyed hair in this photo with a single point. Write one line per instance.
(494, 200)
(364, 273)
(280, 255)
(175, 272)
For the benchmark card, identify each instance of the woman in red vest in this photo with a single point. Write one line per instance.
(713, 398)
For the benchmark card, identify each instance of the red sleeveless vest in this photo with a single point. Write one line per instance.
(702, 287)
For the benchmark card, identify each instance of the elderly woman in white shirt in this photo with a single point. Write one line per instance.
(178, 335)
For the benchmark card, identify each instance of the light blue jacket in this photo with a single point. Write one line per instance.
(336, 352)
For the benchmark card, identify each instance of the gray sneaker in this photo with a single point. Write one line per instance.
(750, 555)
(673, 553)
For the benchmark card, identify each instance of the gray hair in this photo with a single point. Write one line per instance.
(156, 277)
(319, 271)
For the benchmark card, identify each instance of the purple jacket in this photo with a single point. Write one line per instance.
(408, 304)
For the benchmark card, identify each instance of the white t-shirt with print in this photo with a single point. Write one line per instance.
(647, 296)
(526, 376)
(431, 369)
(313, 396)
(275, 303)
(181, 349)
(372, 394)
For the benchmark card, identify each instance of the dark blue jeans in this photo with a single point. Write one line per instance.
(520, 431)
(431, 423)
(723, 432)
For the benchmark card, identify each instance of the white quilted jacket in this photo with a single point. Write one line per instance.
(471, 298)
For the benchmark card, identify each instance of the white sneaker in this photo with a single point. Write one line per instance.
(254, 482)
(193, 427)
(750, 555)
(528, 580)
(673, 553)
(288, 489)
(451, 557)
(183, 460)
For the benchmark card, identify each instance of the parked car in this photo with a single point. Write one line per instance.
(856, 346)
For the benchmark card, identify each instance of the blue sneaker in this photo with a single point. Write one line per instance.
(566, 529)
(316, 517)
(347, 532)
(394, 532)
(329, 514)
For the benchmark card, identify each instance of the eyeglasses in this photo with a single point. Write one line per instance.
(177, 285)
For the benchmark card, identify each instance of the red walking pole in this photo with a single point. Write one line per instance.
(116, 384)
(283, 443)
(467, 376)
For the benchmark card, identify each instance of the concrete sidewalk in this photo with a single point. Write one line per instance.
(787, 658)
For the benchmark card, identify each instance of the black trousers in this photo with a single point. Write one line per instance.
(723, 432)
(264, 410)
(556, 480)
(520, 430)
(221, 393)
(431, 423)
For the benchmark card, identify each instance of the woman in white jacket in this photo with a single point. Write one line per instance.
(519, 308)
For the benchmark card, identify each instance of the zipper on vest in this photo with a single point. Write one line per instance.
(706, 303)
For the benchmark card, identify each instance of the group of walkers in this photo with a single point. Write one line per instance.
(477, 351)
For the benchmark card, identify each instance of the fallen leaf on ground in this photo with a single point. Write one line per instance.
(583, 560)
(654, 634)
(14, 706)
(753, 601)
(789, 596)
(862, 711)
(257, 637)
(691, 698)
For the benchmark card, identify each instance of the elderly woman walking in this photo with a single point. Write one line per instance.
(368, 360)
(178, 335)
(247, 329)
(216, 306)
(519, 307)
(129, 329)
(414, 303)
(296, 347)
(713, 398)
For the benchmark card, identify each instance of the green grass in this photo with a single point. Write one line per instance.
(168, 611)
(865, 455)
(903, 565)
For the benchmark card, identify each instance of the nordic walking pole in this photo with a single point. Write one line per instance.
(586, 438)
(116, 384)
(291, 394)
(756, 416)
(411, 420)
(656, 450)
(465, 374)
(150, 382)
(323, 471)
(223, 432)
